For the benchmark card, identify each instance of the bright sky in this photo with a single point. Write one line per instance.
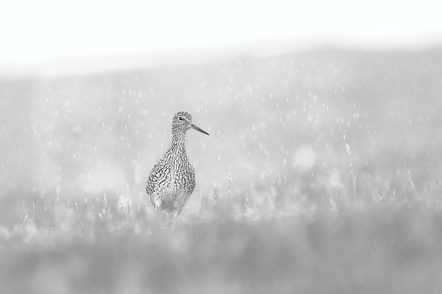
(36, 30)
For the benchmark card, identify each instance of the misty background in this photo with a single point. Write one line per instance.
(324, 116)
(298, 109)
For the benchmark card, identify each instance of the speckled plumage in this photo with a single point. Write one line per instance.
(172, 179)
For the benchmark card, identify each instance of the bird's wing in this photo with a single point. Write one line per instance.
(153, 178)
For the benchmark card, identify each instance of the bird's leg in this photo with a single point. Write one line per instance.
(157, 203)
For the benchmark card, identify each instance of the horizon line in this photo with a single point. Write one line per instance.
(149, 58)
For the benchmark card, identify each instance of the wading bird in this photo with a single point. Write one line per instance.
(172, 178)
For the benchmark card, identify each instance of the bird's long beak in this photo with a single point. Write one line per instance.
(194, 126)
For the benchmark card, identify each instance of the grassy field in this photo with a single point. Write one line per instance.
(321, 175)
(383, 248)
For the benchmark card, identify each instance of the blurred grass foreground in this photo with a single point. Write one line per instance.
(321, 175)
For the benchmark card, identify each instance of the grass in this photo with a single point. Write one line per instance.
(391, 246)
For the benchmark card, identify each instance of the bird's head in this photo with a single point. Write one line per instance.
(182, 121)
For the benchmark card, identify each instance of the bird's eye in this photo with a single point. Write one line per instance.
(180, 118)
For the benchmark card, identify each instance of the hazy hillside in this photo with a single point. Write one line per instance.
(299, 126)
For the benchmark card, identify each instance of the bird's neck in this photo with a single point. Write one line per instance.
(178, 141)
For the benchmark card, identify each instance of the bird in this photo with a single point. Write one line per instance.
(172, 179)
